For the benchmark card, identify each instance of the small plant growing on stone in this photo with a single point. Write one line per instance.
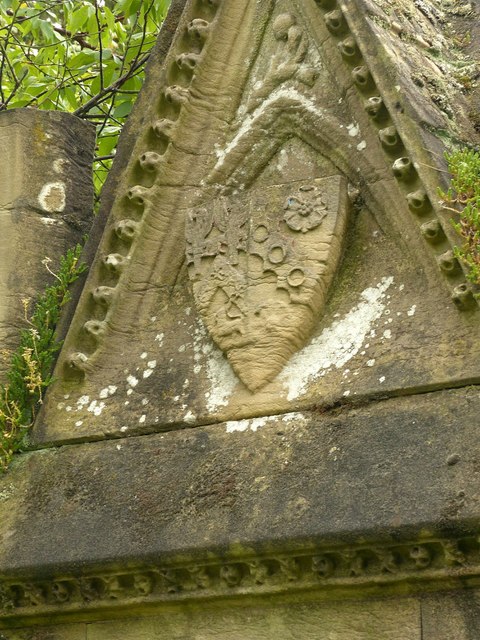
(463, 198)
(31, 364)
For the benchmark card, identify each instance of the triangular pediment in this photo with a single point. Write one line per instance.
(274, 170)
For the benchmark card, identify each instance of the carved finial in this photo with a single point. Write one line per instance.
(403, 169)
(335, 22)
(362, 77)
(462, 297)
(77, 361)
(95, 328)
(115, 262)
(103, 295)
(389, 138)
(198, 29)
(137, 194)
(150, 160)
(126, 229)
(349, 50)
(187, 61)
(163, 128)
(176, 95)
(375, 107)
(432, 231)
(418, 202)
(448, 263)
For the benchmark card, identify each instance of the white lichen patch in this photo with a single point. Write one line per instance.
(108, 391)
(59, 163)
(294, 416)
(353, 129)
(333, 452)
(282, 160)
(253, 424)
(412, 310)
(132, 381)
(51, 221)
(142, 418)
(245, 425)
(159, 338)
(52, 197)
(82, 402)
(96, 407)
(362, 145)
(337, 344)
(190, 417)
(219, 373)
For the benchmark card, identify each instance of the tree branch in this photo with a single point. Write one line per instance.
(104, 93)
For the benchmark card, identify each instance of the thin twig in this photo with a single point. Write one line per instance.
(101, 95)
(100, 158)
(100, 46)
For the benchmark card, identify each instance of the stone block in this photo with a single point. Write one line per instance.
(310, 621)
(452, 616)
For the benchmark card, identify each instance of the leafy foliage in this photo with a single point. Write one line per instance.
(82, 56)
(85, 57)
(31, 363)
(464, 196)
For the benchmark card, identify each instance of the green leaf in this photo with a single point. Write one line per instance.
(79, 19)
(123, 109)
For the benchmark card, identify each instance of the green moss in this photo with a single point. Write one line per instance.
(31, 364)
(463, 199)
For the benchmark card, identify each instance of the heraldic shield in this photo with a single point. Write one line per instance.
(261, 265)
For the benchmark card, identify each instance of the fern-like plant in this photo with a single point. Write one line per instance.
(31, 364)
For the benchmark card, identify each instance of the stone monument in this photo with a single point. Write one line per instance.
(264, 414)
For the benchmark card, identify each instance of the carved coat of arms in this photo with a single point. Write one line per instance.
(261, 265)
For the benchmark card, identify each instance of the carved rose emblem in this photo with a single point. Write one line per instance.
(306, 210)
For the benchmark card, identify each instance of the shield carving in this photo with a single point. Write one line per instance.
(261, 265)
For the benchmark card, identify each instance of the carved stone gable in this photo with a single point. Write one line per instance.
(231, 281)
(261, 266)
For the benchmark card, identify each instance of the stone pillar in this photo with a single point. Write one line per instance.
(46, 204)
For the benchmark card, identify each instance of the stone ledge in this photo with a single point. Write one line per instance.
(225, 509)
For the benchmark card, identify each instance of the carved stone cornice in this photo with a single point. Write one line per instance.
(406, 566)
